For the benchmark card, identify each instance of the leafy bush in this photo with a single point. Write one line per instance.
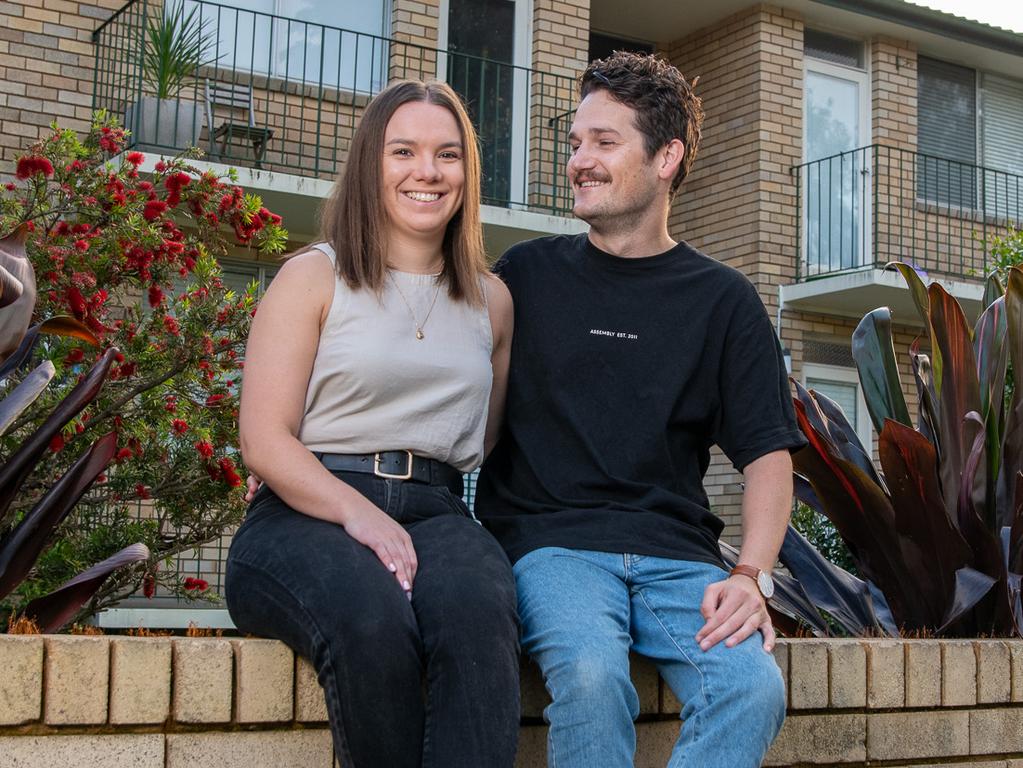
(109, 244)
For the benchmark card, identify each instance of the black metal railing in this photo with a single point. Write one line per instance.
(285, 95)
(877, 204)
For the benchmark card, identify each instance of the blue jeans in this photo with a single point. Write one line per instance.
(431, 683)
(582, 611)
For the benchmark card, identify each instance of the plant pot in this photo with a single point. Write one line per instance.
(164, 124)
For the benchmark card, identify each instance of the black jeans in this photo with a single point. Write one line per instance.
(432, 683)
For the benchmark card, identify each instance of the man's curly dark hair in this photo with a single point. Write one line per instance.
(665, 105)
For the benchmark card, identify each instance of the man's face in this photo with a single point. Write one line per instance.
(613, 179)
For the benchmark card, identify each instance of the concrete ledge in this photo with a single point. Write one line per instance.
(169, 702)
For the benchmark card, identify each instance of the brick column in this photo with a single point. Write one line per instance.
(415, 22)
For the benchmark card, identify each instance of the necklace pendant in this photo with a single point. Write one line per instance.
(419, 334)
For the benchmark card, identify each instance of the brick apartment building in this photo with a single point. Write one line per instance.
(840, 135)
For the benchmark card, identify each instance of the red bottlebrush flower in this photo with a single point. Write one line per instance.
(9, 187)
(213, 400)
(153, 210)
(276, 219)
(204, 449)
(232, 478)
(211, 217)
(118, 199)
(146, 186)
(264, 214)
(141, 491)
(135, 158)
(160, 166)
(171, 325)
(75, 301)
(124, 453)
(119, 357)
(57, 443)
(30, 165)
(177, 181)
(101, 478)
(155, 296)
(74, 356)
(179, 426)
(149, 586)
(126, 370)
(81, 245)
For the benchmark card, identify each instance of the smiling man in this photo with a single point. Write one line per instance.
(633, 354)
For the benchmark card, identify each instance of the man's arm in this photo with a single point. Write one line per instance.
(734, 608)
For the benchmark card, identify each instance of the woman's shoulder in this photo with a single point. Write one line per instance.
(308, 276)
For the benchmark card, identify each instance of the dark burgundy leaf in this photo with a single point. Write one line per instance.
(971, 587)
(18, 467)
(25, 394)
(53, 611)
(20, 548)
(874, 353)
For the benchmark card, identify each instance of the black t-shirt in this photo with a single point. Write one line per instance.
(624, 372)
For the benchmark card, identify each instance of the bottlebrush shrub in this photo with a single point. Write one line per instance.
(133, 256)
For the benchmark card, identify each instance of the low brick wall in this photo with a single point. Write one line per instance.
(175, 702)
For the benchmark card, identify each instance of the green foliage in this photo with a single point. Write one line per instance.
(821, 533)
(133, 257)
(176, 44)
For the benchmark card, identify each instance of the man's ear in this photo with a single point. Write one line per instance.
(671, 158)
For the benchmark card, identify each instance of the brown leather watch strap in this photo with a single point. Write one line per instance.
(745, 570)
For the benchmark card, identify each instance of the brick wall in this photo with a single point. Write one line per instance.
(739, 203)
(99, 702)
(46, 66)
(417, 22)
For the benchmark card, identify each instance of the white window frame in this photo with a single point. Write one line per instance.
(522, 53)
(843, 375)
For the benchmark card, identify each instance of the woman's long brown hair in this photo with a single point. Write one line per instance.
(353, 219)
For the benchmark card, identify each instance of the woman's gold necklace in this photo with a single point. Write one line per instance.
(419, 325)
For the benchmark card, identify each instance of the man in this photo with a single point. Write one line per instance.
(632, 355)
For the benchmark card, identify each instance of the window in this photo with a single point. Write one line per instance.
(836, 121)
(319, 42)
(970, 138)
(842, 385)
(238, 275)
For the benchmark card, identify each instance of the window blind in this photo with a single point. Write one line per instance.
(1002, 145)
(946, 133)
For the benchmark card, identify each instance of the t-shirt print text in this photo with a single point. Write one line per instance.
(613, 334)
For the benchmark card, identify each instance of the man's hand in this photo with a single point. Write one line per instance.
(734, 610)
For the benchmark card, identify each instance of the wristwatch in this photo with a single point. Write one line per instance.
(763, 579)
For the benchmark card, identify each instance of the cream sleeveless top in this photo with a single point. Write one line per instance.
(376, 387)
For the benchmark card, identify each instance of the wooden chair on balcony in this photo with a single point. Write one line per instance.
(234, 99)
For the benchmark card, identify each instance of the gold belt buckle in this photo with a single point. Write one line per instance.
(380, 473)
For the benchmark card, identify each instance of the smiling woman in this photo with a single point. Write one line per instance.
(375, 377)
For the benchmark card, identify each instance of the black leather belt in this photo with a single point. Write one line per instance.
(395, 465)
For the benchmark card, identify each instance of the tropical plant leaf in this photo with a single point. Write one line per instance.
(18, 356)
(927, 421)
(990, 341)
(993, 290)
(65, 325)
(917, 289)
(18, 466)
(1012, 434)
(860, 511)
(11, 287)
(931, 545)
(874, 353)
(803, 491)
(958, 393)
(844, 437)
(837, 592)
(17, 315)
(53, 611)
(971, 586)
(790, 608)
(20, 548)
(25, 394)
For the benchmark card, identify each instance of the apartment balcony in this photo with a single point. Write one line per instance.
(279, 99)
(860, 210)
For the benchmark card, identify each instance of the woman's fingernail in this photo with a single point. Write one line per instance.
(409, 596)
(392, 567)
(407, 586)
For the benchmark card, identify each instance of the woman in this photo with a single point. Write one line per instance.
(374, 377)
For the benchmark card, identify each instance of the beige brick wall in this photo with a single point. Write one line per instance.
(415, 22)
(46, 66)
(180, 702)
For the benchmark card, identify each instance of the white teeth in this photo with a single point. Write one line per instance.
(591, 183)
(423, 197)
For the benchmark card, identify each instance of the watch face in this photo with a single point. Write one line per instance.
(766, 584)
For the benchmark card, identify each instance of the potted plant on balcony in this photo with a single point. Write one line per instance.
(176, 44)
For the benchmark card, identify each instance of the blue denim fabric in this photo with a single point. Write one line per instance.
(581, 612)
(431, 683)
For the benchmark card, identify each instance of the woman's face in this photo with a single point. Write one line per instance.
(423, 170)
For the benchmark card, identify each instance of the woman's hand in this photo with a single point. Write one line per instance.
(372, 527)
